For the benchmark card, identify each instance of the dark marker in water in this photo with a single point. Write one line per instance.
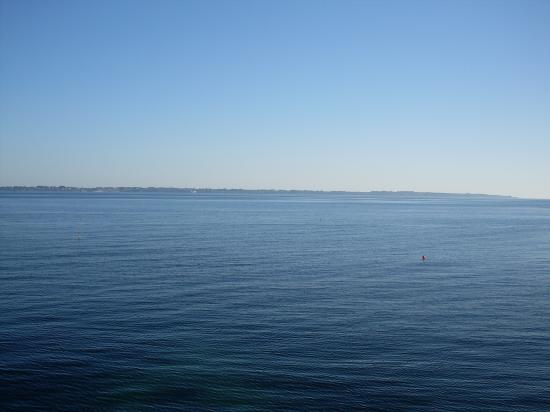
(424, 258)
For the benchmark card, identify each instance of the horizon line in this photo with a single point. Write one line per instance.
(227, 189)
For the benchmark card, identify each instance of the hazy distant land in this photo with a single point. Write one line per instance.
(110, 189)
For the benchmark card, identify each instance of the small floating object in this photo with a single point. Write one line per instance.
(424, 258)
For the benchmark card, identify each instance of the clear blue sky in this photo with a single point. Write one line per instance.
(449, 96)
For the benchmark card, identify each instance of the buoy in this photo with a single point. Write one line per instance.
(424, 258)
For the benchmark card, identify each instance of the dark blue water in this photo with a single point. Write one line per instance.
(130, 302)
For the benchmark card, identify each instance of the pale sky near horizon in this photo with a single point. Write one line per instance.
(442, 96)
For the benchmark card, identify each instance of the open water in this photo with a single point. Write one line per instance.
(252, 302)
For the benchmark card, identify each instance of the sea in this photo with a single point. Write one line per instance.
(273, 302)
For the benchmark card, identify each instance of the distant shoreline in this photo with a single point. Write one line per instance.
(137, 189)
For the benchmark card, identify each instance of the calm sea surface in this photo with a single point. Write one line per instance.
(240, 302)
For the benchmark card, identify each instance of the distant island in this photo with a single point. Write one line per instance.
(136, 189)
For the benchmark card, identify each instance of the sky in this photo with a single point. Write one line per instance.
(441, 96)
